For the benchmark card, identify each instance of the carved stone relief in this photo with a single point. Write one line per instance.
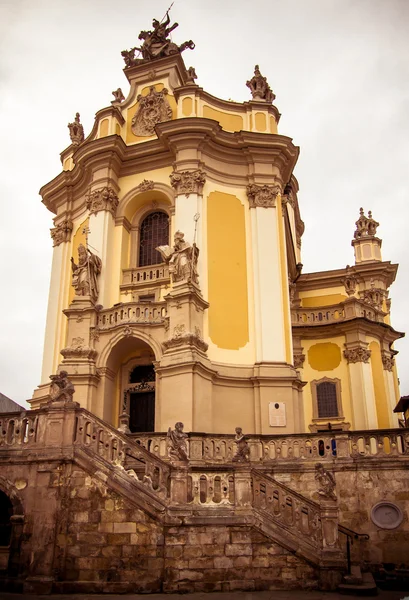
(145, 185)
(387, 360)
(354, 355)
(102, 199)
(62, 232)
(299, 360)
(188, 182)
(78, 349)
(152, 109)
(262, 195)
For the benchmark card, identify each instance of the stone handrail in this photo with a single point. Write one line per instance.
(118, 450)
(143, 276)
(320, 315)
(132, 312)
(18, 429)
(329, 446)
(288, 509)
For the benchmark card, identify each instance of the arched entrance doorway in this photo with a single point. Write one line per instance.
(141, 399)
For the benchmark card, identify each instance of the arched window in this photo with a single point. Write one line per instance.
(327, 400)
(154, 232)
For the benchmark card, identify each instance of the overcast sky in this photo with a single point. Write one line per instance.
(339, 69)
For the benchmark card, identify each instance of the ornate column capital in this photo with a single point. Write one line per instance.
(387, 360)
(298, 361)
(262, 195)
(359, 354)
(61, 232)
(188, 182)
(102, 199)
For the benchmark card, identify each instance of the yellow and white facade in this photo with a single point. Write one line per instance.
(252, 343)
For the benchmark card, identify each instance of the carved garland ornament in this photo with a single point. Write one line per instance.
(102, 199)
(61, 233)
(152, 109)
(188, 182)
(145, 185)
(354, 355)
(262, 195)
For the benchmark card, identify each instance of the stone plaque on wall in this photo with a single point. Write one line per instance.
(386, 515)
(276, 414)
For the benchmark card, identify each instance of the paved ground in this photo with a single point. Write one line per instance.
(272, 595)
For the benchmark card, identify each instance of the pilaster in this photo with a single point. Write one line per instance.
(361, 381)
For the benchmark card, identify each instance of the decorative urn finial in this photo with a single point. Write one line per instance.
(76, 131)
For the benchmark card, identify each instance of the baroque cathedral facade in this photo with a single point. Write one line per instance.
(177, 296)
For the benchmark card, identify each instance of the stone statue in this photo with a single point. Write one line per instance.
(76, 131)
(242, 447)
(61, 388)
(325, 481)
(155, 44)
(260, 90)
(85, 274)
(182, 259)
(177, 447)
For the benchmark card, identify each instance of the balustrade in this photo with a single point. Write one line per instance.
(351, 309)
(211, 488)
(144, 276)
(18, 429)
(132, 312)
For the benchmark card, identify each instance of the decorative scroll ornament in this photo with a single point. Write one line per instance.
(365, 226)
(188, 182)
(152, 109)
(145, 185)
(350, 281)
(387, 361)
(155, 44)
(354, 355)
(102, 199)
(262, 195)
(85, 273)
(177, 447)
(299, 360)
(118, 96)
(326, 482)
(78, 349)
(76, 131)
(242, 447)
(260, 90)
(62, 232)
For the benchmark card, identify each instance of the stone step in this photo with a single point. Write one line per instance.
(367, 587)
(355, 577)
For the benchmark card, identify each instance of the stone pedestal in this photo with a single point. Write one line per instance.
(243, 493)
(178, 482)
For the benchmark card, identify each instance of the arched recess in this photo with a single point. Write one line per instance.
(119, 394)
(11, 527)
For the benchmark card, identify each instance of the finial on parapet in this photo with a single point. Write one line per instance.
(118, 96)
(191, 75)
(177, 447)
(260, 90)
(242, 447)
(76, 131)
(365, 226)
(326, 482)
(155, 44)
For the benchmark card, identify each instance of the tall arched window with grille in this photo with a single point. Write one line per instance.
(154, 231)
(327, 400)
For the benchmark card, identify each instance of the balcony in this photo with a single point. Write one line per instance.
(141, 278)
(133, 312)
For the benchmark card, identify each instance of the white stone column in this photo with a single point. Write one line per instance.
(60, 281)
(102, 204)
(270, 335)
(362, 388)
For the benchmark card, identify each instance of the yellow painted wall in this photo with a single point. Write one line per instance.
(78, 238)
(322, 300)
(273, 125)
(330, 357)
(261, 123)
(381, 399)
(187, 106)
(227, 121)
(284, 284)
(130, 137)
(227, 271)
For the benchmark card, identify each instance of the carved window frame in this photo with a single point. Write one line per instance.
(337, 422)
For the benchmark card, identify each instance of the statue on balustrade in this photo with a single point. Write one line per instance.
(325, 481)
(61, 388)
(177, 447)
(85, 273)
(182, 259)
(242, 447)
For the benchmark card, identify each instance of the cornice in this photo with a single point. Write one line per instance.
(382, 331)
(335, 277)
